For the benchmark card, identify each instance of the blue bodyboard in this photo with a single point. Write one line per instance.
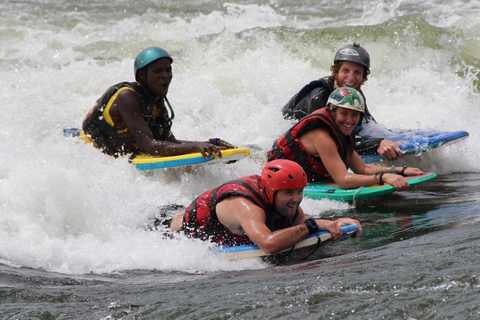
(417, 141)
(302, 249)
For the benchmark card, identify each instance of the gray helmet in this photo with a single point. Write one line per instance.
(354, 53)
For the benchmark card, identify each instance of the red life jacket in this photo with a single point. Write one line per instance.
(201, 221)
(288, 146)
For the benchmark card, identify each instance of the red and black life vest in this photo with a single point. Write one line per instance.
(113, 142)
(201, 221)
(288, 146)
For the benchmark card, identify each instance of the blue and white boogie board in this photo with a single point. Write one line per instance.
(417, 141)
(310, 247)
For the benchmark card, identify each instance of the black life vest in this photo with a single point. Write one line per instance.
(113, 142)
(289, 146)
(325, 82)
(201, 221)
(314, 96)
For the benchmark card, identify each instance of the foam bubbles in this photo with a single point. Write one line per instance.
(68, 208)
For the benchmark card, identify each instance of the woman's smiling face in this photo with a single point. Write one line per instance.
(346, 119)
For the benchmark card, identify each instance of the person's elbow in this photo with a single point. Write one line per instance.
(342, 184)
(346, 182)
(272, 247)
(156, 147)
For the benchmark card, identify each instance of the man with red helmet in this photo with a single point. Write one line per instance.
(264, 210)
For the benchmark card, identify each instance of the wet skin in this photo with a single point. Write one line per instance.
(287, 201)
(346, 119)
(350, 75)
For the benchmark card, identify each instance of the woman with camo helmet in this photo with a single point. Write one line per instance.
(322, 143)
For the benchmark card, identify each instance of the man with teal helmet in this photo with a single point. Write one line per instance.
(322, 144)
(132, 117)
(147, 56)
(350, 68)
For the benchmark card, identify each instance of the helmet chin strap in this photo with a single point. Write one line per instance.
(149, 92)
(172, 114)
(144, 83)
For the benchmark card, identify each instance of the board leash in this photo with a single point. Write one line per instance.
(355, 195)
(286, 254)
(319, 241)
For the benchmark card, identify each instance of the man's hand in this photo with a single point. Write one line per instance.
(208, 150)
(335, 227)
(389, 150)
(222, 143)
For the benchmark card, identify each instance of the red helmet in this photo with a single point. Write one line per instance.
(282, 174)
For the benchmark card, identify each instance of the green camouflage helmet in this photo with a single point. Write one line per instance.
(347, 98)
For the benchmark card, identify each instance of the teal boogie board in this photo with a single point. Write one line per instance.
(148, 162)
(329, 190)
(417, 141)
(307, 248)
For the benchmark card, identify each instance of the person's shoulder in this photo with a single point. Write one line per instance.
(320, 111)
(127, 92)
(238, 201)
(327, 79)
(252, 178)
(255, 177)
(127, 100)
(319, 96)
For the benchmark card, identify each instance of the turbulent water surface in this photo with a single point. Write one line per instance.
(74, 236)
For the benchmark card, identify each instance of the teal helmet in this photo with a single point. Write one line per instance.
(147, 56)
(353, 53)
(347, 98)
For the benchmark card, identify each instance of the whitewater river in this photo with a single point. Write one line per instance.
(74, 238)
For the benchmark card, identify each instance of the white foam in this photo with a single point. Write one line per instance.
(68, 208)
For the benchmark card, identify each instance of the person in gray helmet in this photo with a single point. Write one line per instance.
(132, 117)
(351, 68)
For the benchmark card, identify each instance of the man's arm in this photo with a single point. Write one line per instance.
(241, 216)
(389, 150)
(386, 148)
(129, 111)
(366, 146)
(332, 226)
(318, 99)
